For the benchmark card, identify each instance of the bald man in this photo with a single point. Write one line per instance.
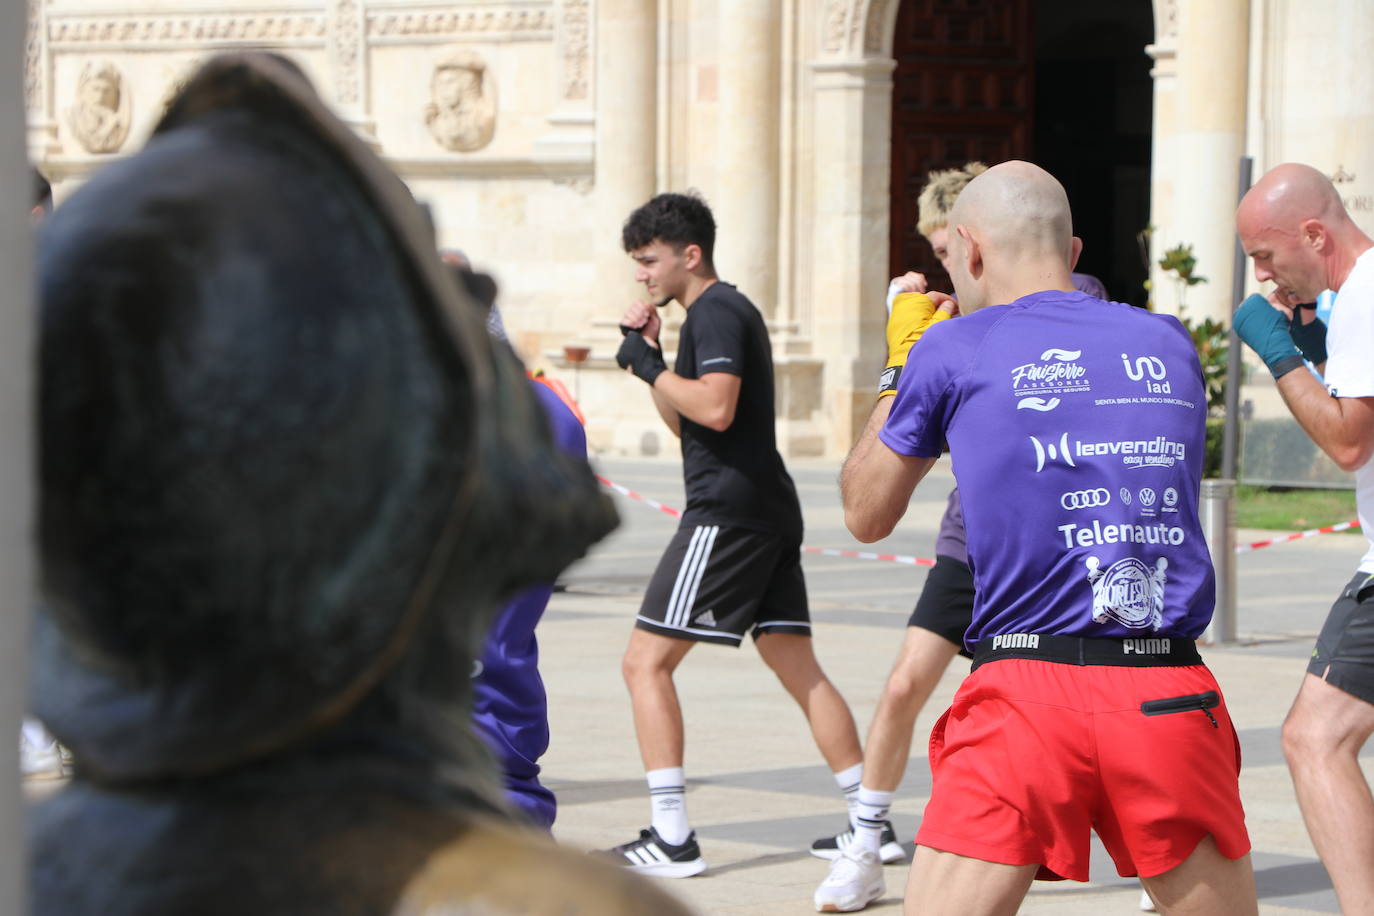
(1076, 428)
(1294, 226)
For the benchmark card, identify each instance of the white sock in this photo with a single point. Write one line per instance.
(871, 810)
(668, 799)
(849, 780)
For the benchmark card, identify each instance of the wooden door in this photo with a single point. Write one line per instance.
(962, 91)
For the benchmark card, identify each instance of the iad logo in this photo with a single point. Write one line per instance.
(1151, 366)
(1128, 592)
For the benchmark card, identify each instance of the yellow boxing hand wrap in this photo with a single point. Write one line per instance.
(912, 315)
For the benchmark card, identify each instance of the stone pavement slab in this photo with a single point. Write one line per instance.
(758, 792)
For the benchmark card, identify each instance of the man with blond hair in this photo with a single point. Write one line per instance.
(1088, 707)
(1295, 227)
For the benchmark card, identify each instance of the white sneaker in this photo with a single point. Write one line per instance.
(855, 881)
(40, 763)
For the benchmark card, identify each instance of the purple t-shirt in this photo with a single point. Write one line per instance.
(1076, 430)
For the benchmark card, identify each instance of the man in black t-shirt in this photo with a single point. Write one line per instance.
(734, 565)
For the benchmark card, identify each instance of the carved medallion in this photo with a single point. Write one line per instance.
(99, 117)
(461, 114)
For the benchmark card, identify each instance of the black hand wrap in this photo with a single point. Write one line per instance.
(1310, 338)
(643, 360)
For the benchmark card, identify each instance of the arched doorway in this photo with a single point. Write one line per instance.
(1065, 83)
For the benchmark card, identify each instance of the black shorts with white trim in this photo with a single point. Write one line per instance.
(715, 583)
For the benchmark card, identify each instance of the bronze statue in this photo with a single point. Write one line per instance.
(285, 480)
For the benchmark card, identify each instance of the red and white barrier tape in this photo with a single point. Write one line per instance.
(923, 561)
(823, 551)
(1297, 536)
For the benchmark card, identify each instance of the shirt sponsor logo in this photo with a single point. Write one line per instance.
(1170, 499)
(1148, 369)
(716, 359)
(1147, 496)
(1128, 592)
(1097, 534)
(1056, 372)
(1126, 497)
(1016, 641)
(1160, 451)
(1085, 499)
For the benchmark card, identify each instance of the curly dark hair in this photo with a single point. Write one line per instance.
(678, 220)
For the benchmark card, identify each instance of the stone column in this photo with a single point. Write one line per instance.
(851, 175)
(626, 128)
(1210, 106)
(746, 198)
(16, 387)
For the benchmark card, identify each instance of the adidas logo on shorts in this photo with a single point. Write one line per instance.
(707, 619)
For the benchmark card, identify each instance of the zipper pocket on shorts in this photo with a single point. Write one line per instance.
(1204, 702)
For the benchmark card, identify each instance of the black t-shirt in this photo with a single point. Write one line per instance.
(735, 477)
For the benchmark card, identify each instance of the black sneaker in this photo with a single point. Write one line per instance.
(651, 855)
(830, 847)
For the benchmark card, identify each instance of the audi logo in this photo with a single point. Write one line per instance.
(1085, 499)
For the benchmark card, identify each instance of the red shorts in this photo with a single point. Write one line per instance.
(1034, 754)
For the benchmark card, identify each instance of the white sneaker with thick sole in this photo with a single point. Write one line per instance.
(855, 881)
(829, 847)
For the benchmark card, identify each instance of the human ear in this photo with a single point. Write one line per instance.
(691, 257)
(972, 254)
(1076, 250)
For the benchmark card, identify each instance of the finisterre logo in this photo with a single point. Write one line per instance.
(1151, 366)
(1128, 592)
(1085, 499)
(1056, 372)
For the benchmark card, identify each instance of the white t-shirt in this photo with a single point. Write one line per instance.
(1350, 371)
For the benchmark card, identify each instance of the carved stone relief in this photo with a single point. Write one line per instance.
(33, 58)
(576, 37)
(100, 114)
(461, 114)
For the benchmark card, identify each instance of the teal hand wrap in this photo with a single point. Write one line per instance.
(1264, 329)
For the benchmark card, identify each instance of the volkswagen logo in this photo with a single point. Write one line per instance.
(1125, 496)
(1147, 496)
(1085, 499)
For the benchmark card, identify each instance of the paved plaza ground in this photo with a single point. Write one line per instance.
(758, 792)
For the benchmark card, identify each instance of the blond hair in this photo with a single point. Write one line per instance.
(937, 197)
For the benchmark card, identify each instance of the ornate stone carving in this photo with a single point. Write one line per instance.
(100, 115)
(877, 26)
(576, 31)
(125, 30)
(461, 115)
(346, 32)
(836, 21)
(441, 23)
(856, 27)
(33, 58)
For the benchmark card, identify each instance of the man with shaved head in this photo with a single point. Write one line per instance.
(1076, 429)
(1294, 226)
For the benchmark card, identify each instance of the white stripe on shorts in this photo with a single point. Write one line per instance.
(683, 612)
(683, 573)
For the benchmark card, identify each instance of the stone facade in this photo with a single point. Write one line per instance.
(532, 128)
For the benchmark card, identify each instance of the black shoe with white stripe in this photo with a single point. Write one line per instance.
(651, 855)
(829, 847)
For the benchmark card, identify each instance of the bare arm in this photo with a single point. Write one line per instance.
(710, 400)
(671, 418)
(876, 483)
(1342, 427)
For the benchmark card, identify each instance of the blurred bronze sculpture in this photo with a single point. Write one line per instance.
(285, 480)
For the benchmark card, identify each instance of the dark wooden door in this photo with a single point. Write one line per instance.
(962, 91)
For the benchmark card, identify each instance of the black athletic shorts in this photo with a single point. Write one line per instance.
(946, 603)
(1344, 654)
(715, 583)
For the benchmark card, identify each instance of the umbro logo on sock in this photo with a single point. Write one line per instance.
(707, 619)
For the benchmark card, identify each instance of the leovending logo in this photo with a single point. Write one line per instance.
(1160, 451)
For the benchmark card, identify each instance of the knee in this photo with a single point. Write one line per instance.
(637, 668)
(1305, 738)
(900, 691)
